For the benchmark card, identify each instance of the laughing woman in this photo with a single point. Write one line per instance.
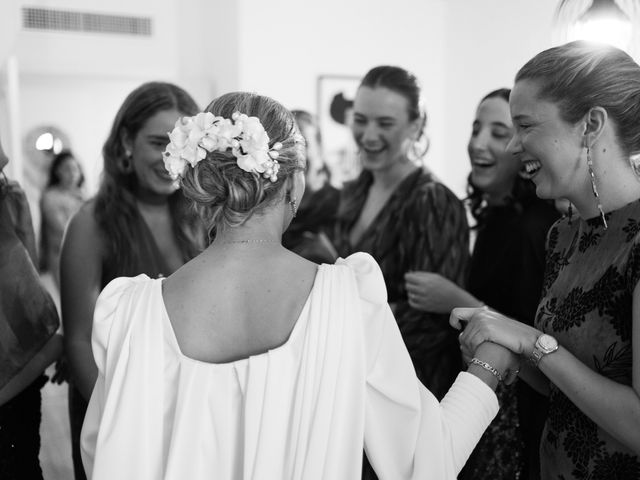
(575, 110)
(137, 223)
(506, 272)
(406, 220)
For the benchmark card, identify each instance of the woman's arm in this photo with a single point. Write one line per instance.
(431, 292)
(613, 406)
(34, 368)
(80, 282)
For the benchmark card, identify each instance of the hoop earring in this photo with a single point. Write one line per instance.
(593, 186)
(126, 163)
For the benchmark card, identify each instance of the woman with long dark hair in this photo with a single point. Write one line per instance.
(137, 223)
(506, 271)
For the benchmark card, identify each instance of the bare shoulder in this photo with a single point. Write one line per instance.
(84, 219)
(83, 233)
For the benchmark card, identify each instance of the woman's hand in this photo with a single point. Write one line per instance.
(496, 356)
(486, 325)
(431, 292)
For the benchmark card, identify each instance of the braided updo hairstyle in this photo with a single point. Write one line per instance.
(223, 194)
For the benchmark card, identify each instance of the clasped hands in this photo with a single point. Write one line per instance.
(493, 338)
(486, 334)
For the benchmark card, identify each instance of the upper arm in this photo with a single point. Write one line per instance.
(80, 274)
(52, 210)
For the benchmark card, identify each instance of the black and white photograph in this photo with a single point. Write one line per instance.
(337, 240)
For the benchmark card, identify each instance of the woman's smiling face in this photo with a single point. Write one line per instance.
(382, 128)
(549, 147)
(146, 152)
(493, 169)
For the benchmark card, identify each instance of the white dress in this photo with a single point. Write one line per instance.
(343, 381)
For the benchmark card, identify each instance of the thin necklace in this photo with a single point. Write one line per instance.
(251, 241)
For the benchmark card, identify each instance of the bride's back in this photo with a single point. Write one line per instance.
(242, 165)
(237, 301)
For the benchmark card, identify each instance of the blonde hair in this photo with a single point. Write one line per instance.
(222, 193)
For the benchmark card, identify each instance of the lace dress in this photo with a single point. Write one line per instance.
(587, 305)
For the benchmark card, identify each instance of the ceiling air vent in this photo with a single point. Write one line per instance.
(70, 21)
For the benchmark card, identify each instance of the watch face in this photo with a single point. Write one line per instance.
(547, 343)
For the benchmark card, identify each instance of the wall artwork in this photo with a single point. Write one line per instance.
(335, 95)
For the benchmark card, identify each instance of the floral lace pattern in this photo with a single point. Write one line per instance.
(586, 304)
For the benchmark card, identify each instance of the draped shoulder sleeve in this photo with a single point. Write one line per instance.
(112, 324)
(372, 293)
(408, 434)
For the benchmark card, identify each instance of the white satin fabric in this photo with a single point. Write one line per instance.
(342, 382)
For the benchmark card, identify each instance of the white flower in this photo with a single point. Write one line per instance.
(193, 137)
(174, 164)
(221, 134)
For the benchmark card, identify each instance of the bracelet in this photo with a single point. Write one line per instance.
(486, 366)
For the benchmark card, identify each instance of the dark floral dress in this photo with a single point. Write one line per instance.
(587, 305)
(422, 227)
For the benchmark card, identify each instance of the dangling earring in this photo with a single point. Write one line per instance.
(634, 161)
(593, 186)
(294, 206)
(570, 212)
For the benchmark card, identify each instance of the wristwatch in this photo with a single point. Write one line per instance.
(545, 344)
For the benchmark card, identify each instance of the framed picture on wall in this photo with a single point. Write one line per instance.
(335, 95)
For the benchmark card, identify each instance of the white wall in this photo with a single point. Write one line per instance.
(486, 43)
(287, 44)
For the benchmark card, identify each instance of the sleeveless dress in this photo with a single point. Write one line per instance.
(587, 306)
(343, 381)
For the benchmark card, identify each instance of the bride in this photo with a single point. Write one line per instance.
(252, 362)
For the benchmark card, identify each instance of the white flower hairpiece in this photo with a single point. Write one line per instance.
(193, 137)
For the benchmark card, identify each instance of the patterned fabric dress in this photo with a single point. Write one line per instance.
(587, 305)
(423, 227)
(28, 319)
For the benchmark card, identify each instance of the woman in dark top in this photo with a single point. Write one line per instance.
(137, 223)
(406, 220)
(506, 272)
(397, 212)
